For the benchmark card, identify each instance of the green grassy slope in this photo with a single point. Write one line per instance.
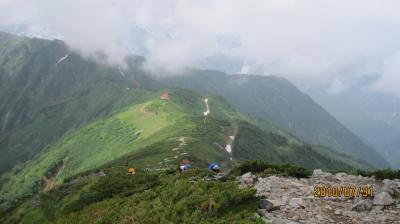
(277, 101)
(96, 144)
(158, 134)
(279, 150)
(41, 101)
(151, 197)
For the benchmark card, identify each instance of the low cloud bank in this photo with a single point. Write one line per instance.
(328, 44)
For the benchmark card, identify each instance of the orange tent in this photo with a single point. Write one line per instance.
(131, 170)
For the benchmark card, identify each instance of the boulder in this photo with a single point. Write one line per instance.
(338, 212)
(363, 205)
(296, 203)
(377, 208)
(276, 204)
(261, 212)
(392, 187)
(246, 180)
(323, 176)
(341, 174)
(317, 172)
(383, 198)
(265, 204)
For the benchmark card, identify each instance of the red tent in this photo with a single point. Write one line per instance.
(164, 96)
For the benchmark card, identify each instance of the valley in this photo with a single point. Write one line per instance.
(71, 127)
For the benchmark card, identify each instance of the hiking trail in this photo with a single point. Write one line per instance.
(50, 183)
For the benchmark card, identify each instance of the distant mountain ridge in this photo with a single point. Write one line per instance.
(371, 115)
(47, 92)
(277, 101)
(158, 134)
(41, 100)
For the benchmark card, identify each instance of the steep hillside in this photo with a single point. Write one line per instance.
(277, 101)
(95, 145)
(47, 91)
(371, 115)
(158, 134)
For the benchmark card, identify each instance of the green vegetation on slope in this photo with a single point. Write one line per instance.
(158, 134)
(113, 196)
(152, 197)
(262, 167)
(41, 101)
(279, 102)
(61, 119)
(95, 145)
(381, 174)
(276, 148)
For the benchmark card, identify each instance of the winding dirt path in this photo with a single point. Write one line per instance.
(51, 183)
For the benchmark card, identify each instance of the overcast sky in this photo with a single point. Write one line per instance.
(330, 44)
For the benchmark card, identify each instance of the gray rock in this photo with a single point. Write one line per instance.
(392, 187)
(363, 205)
(383, 198)
(246, 179)
(340, 176)
(287, 195)
(284, 200)
(317, 172)
(261, 212)
(295, 218)
(276, 204)
(377, 208)
(276, 220)
(296, 203)
(347, 213)
(338, 212)
(265, 204)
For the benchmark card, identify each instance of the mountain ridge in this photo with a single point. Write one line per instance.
(156, 134)
(69, 93)
(277, 101)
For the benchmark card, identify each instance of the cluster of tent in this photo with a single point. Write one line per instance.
(185, 165)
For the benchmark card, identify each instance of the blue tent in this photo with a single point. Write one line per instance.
(213, 165)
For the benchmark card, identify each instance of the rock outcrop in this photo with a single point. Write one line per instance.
(292, 200)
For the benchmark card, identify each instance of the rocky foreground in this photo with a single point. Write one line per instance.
(292, 200)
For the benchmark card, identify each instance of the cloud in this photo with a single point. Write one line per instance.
(312, 43)
(389, 79)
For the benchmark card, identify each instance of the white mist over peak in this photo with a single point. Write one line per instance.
(312, 43)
